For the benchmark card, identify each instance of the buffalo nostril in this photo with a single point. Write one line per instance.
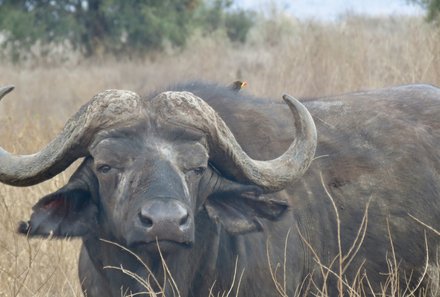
(167, 216)
(146, 220)
(184, 220)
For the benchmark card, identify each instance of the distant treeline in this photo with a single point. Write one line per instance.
(114, 26)
(432, 7)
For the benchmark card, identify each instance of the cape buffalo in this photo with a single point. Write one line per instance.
(175, 178)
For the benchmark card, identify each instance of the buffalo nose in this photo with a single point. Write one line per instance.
(164, 216)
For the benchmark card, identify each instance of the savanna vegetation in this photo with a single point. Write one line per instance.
(120, 28)
(279, 55)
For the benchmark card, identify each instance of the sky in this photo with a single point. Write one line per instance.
(332, 9)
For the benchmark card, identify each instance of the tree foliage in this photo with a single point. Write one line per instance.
(217, 15)
(115, 26)
(432, 7)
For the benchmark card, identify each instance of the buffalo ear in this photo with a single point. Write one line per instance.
(61, 214)
(68, 212)
(239, 208)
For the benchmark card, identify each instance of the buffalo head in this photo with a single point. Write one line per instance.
(150, 166)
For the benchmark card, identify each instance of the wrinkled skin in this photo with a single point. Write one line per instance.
(379, 147)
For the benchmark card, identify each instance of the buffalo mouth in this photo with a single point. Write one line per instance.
(165, 246)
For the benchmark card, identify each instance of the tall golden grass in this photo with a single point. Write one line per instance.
(281, 56)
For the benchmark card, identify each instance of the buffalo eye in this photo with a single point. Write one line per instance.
(198, 171)
(104, 168)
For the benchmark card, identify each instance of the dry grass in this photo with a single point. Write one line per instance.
(303, 59)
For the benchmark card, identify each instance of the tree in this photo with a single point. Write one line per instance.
(432, 7)
(89, 25)
(115, 26)
(218, 15)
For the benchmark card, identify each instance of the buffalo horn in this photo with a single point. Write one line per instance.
(106, 109)
(226, 154)
(5, 90)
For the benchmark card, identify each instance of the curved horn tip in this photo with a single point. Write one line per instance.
(287, 97)
(5, 90)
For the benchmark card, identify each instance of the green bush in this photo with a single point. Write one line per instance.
(118, 27)
(238, 24)
(432, 7)
(217, 15)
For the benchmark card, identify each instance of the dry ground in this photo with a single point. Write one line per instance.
(303, 59)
